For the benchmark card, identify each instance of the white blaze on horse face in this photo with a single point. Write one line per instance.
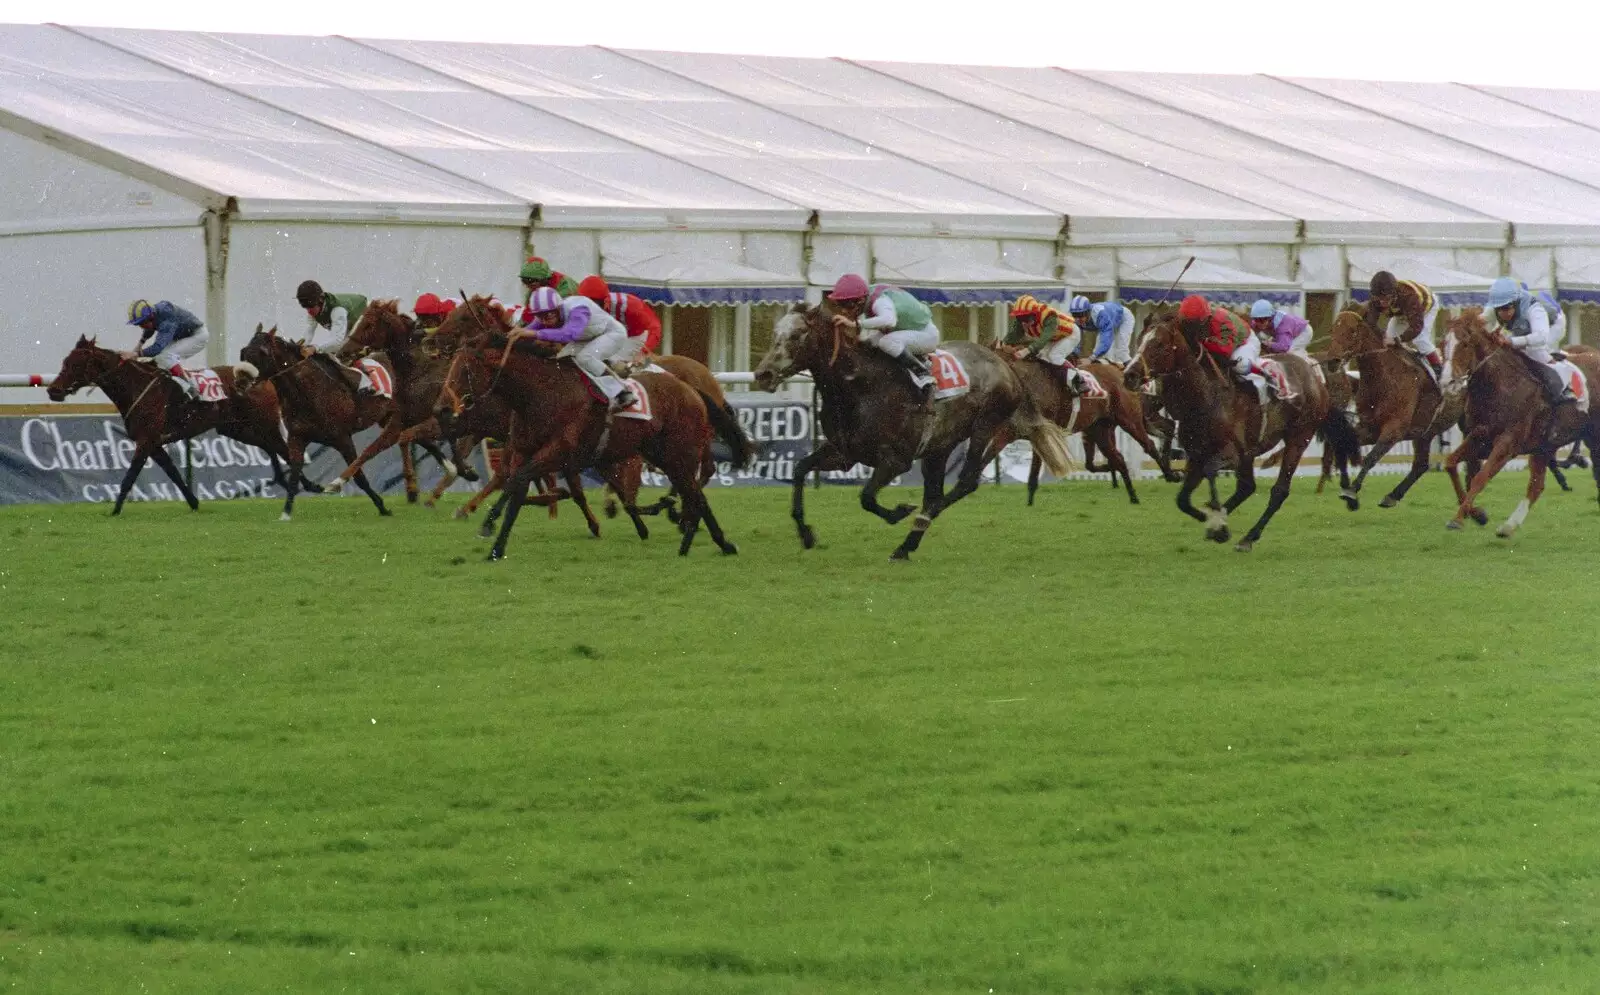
(1449, 347)
(778, 361)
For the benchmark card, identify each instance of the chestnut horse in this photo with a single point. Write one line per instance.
(1507, 415)
(872, 415)
(1396, 400)
(560, 425)
(156, 411)
(1097, 418)
(1222, 423)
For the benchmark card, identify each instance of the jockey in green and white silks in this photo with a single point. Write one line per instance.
(1535, 326)
(335, 314)
(899, 325)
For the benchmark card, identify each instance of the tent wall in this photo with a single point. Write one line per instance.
(266, 261)
(79, 283)
(48, 189)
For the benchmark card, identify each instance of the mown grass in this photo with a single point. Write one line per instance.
(1073, 748)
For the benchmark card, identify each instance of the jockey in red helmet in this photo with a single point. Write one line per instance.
(639, 318)
(887, 317)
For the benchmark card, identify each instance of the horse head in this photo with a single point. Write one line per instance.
(381, 328)
(85, 364)
(1469, 343)
(471, 374)
(1163, 349)
(805, 338)
(1352, 335)
(269, 353)
(474, 321)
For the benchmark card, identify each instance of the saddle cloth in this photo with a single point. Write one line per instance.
(1089, 385)
(207, 384)
(1573, 379)
(949, 376)
(382, 383)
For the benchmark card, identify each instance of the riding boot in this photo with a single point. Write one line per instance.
(613, 388)
(921, 375)
(1437, 362)
(1555, 392)
(183, 382)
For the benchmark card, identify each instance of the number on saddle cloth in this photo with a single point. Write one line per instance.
(949, 375)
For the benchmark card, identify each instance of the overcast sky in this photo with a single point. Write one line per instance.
(1527, 42)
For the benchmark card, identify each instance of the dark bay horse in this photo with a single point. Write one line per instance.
(560, 426)
(1507, 415)
(1096, 418)
(155, 411)
(1396, 400)
(1222, 423)
(317, 405)
(872, 415)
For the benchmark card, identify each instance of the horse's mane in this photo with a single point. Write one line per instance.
(1358, 308)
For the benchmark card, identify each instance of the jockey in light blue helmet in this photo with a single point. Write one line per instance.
(1535, 327)
(1504, 291)
(1262, 309)
(1112, 324)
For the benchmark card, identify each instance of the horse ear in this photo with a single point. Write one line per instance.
(258, 328)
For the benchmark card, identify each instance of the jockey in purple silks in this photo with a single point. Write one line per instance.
(587, 334)
(1280, 330)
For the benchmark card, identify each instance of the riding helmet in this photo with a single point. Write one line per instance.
(1262, 309)
(594, 288)
(1504, 291)
(140, 311)
(849, 288)
(1079, 305)
(1194, 308)
(309, 293)
(1384, 283)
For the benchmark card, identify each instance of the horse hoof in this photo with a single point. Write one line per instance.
(411, 498)
(1219, 535)
(729, 549)
(495, 556)
(1505, 531)
(1351, 501)
(1453, 525)
(1389, 501)
(487, 532)
(808, 539)
(610, 509)
(1133, 499)
(385, 513)
(1245, 545)
(1480, 516)
(459, 513)
(899, 513)
(900, 556)
(284, 517)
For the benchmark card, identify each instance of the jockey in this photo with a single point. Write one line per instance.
(1411, 309)
(431, 310)
(1280, 330)
(177, 335)
(897, 323)
(337, 313)
(1113, 325)
(1535, 328)
(537, 273)
(1041, 332)
(639, 318)
(586, 333)
(1222, 333)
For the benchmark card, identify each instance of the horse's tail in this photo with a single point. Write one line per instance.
(1336, 431)
(725, 423)
(1047, 438)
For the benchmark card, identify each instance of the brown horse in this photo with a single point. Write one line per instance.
(155, 411)
(871, 414)
(1222, 423)
(318, 405)
(1508, 415)
(1396, 400)
(1097, 418)
(559, 425)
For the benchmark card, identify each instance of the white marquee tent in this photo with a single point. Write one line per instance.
(220, 170)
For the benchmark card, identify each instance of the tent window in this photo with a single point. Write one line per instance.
(1320, 312)
(691, 333)
(763, 319)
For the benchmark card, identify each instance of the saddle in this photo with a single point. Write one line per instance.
(350, 378)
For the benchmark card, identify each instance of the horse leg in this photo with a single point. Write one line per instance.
(1386, 440)
(347, 449)
(825, 456)
(1502, 452)
(933, 498)
(1538, 462)
(1419, 466)
(486, 530)
(1561, 478)
(1244, 488)
(575, 489)
(881, 475)
(1279, 493)
(516, 491)
(408, 469)
(623, 482)
(296, 465)
(1033, 476)
(171, 470)
(1105, 435)
(1193, 473)
(1139, 433)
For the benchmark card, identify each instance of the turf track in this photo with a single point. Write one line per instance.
(1068, 749)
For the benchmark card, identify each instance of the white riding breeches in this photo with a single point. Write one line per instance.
(920, 341)
(591, 354)
(630, 350)
(1542, 350)
(1301, 343)
(180, 349)
(1056, 353)
(1121, 341)
(1423, 343)
(1246, 355)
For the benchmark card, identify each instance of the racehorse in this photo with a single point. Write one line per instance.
(1396, 400)
(560, 424)
(1097, 418)
(318, 405)
(871, 414)
(1508, 415)
(1222, 423)
(155, 411)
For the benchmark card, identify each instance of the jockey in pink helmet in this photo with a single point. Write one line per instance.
(899, 325)
(587, 334)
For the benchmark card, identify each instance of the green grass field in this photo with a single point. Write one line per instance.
(1073, 748)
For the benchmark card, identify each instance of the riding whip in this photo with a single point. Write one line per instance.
(1168, 294)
